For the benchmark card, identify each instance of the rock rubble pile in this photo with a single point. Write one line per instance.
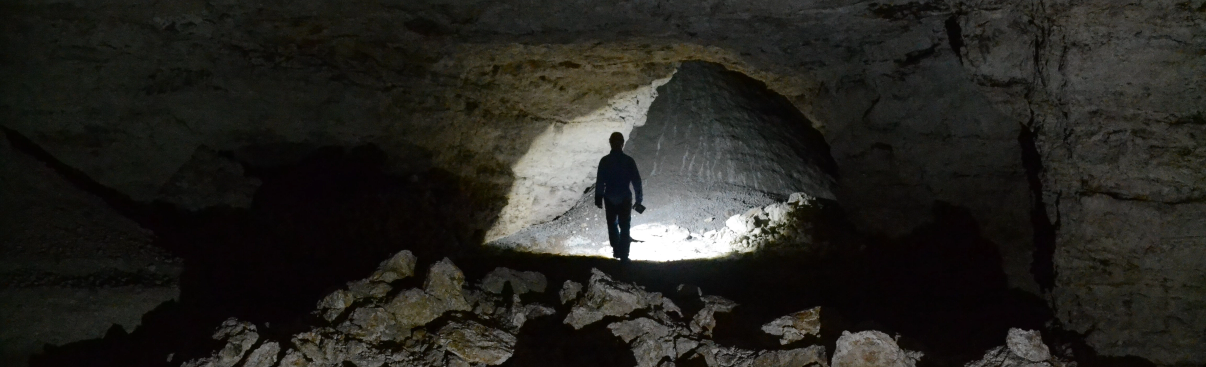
(449, 323)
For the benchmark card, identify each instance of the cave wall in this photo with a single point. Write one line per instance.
(920, 102)
(1114, 95)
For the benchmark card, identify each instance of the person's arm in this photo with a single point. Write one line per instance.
(599, 185)
(636, 183)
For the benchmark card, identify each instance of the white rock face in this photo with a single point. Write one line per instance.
(871, 349)
(1027, 344)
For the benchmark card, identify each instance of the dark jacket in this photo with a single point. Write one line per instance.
(616, 171)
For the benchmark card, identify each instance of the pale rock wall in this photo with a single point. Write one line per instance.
(1114, 92)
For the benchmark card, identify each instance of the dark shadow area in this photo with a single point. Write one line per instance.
(312, 227)
(1043, 266)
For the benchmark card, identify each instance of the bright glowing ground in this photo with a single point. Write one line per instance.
(658, 242)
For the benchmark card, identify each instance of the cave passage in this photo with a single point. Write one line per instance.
(715, 145)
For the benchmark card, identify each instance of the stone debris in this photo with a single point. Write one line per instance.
(1023, 348)
(372, 324)
(376, 330)
(239, 336)
(1027, 344)
(521, 281)
(480, 326)
(795, 326)
(607, 297)
(705, 319)
(570, 291)
(264, 356)
(777, 223)
(871, 349)
(476, 342)
(401, 266)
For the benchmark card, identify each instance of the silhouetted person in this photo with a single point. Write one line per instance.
(616, 171)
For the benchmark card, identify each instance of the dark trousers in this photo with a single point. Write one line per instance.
(619, 216)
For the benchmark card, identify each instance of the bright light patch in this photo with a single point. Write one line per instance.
(660, 242)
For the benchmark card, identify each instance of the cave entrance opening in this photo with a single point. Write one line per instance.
(728, 165)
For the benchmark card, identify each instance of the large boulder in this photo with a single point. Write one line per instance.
(1023, 348)
(476, 342)
(871, 349)
(795, 326)
(606, 297)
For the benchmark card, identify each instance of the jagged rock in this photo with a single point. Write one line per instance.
(445, 281)
(401, 266)
(705, 320)
(652, 341)
(334, 304)
(570, 291)
(520, 314)
(1022, 349)
(325, 347)
(799, 357)
(294, 358)
(720, 356)
(476, 342)
(795, 326)
(414, 307)
(1027, 344)
(367, 289)
(372, 324)
(240, 336)
(871, 349)
(441, 293)
(606, 297)
(264, 356)
(521, 281)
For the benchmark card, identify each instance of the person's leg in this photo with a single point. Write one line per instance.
(624, 217)
(611, 216)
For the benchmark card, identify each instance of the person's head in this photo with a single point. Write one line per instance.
(616, 140)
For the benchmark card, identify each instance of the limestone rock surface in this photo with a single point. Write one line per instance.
(795, 326)
(607, 297)
(477, 343)
(871, 348)
(1022, 348)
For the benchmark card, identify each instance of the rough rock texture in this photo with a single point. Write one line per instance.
(239, 337)
(479, 86)
(795, 326)
(920, 102)
(1027, 344)
(705, 320)
(71, 267)
(1022, 349)
(713, 130)
(476, 342)
(372, 329)
(569, 291)
(1111, 94)
(606, 297)
(871, 349)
